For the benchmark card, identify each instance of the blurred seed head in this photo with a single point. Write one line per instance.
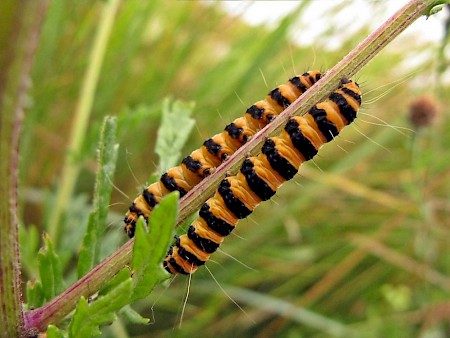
(423, 111)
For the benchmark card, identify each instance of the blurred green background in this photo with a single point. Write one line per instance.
(358, 242)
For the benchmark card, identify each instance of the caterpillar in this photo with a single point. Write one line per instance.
(260, 176)
(202, 162)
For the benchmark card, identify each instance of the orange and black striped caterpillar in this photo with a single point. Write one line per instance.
(202, 162)
(260, 176)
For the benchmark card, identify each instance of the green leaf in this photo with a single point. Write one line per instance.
(107, 158)
(54, 332)
(35, 294)
(29, 246)
(150, 247)
(50, 270)
(86, 259)
(129, 119)
(122, 276)
(173, 133)
(132, 316)
(436, 8)
(89, 317)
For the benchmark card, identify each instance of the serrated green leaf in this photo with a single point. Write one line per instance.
(29, 245)
(173, 132)
(150, 247)
(50, 270)
(81, 324)
(107, 158)
(35, 294)
(86, 259)
(132, 316)
(141, 245)
(119, 278)
(54, 332)
(435, 9)
(129, 119)
(88, 318)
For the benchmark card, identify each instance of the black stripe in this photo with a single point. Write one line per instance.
(277, 162)
(188, 256)
(149, 198)
(135, 210)
(300, 142)
(191, 164)
(215, 223)
(177, 267)
(296, 81)
(165, 263)
(166, 266)
(351, 93)
(344, 108)
(172, 263)
(212, 146)
(234, 204)
(276, 95)
(129, 221)
(194, 166)
(204, 244)
(255, 112)
(256, 184)
(326, 127)
(314, 78)
(130, 231)
(170, 184)
(233, 130)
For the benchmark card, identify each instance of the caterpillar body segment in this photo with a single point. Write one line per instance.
(203, 161)
(260, 176)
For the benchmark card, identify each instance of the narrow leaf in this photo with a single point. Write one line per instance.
(173, 133)
(129, 119)
(89, 317)
(86, 259)
(54, 332)
(150, 247)
(50, 270)
(132, 316)
(35, 294)
(107, 158)
(121, 277)
(29, 238)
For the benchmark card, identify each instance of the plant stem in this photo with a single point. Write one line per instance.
(373, 44)
(59, 307)
(22, 22)
(83, 111)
